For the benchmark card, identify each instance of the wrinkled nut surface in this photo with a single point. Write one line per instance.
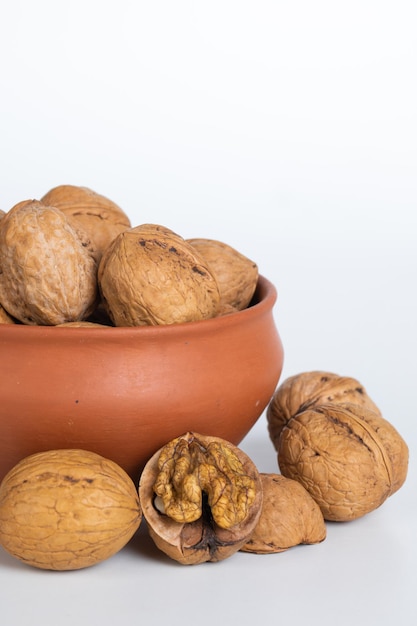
(67, 509)
(5, 318)
(187, 469)
(226, 309)
(289, 517)
(151, 276)
(201, 497)
(48, 274)
(100, 218)
(310, 389)
(339, 457)
(307, 389)
(236, 275)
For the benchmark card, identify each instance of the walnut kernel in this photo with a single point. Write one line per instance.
(201, 497)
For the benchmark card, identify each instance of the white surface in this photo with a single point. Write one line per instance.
(287, 129)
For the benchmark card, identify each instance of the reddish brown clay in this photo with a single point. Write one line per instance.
(124, 392)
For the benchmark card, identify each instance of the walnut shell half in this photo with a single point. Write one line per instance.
(201, 497)
(289, 517)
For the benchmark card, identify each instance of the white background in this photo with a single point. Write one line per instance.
(288, 130)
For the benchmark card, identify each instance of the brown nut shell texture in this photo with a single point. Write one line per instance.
(304, 390)
(201, 497)
(290, 516)
(100, 218)
(67, 509)
(48, 274)
(236, 275)
(336, 454)
(5, 318)
(149, 275)
(310, 389)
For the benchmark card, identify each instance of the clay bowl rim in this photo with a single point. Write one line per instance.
(263, 300)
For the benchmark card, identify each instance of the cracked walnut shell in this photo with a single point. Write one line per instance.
(149, 275)
(201, 497)
(289, 517)
(48, 274)
(67, 509)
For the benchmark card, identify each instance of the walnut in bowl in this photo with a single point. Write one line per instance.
(123, 392)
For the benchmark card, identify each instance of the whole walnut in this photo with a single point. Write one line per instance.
(67, 509)
(347, 456)
(304, 390)
(150, 275)
(100, 218)
(48, 274)
(201, 497)
(236, 275)
(309, 389)
(289, 517)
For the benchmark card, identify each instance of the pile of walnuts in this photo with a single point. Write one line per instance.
(202, 498)
(73, 257)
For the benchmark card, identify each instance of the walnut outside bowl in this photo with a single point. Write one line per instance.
(125, 392)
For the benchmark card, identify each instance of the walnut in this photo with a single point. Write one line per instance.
(149, 275)
(67, 509)
(47, 271)
(289, 517)
(5, 318)
(226, 309)
(82, 324)
(2, 213)
(341, 454)
(201, 497)
(100, 218)
(310, 388)
(236, 275)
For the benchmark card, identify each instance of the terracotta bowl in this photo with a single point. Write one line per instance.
(125, 392)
